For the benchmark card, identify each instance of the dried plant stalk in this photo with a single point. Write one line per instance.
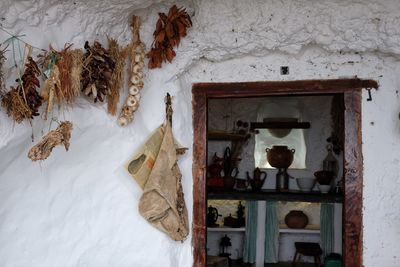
(118, 56)
(52, 85)
(76, 70)
(64, 93)
(59, 136)
(2, 60)
(136, 56)
(15, 106)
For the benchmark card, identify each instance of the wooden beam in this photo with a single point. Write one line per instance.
(270, 88)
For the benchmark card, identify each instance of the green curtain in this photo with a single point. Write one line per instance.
(249, 249)
(327, 227)
(271, 233)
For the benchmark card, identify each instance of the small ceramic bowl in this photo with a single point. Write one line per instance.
(305, 184)
(324, 188)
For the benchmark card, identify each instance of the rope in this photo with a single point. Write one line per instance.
(18, 37)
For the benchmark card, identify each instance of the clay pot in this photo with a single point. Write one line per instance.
(296, 219)
(324, 177)
(280, 156)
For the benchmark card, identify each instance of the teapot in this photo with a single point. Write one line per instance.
(212, 216)
(258, 179)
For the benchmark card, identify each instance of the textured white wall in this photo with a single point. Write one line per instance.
(80, 208)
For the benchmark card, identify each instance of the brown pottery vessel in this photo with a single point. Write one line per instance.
(280, 156)
(296, 219)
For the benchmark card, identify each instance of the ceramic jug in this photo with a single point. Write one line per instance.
(258, 179)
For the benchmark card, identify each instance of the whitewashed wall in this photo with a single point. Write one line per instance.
(80, 208)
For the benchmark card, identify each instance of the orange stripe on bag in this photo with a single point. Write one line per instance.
(150, 163)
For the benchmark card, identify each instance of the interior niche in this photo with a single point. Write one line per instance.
(351, 193)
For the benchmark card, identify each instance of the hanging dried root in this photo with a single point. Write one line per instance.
(117, 55)
(61, 135)
(15, 106)
(98, 67)
(169, 30)
(136, 75)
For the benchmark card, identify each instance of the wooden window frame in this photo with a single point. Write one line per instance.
(353, 161)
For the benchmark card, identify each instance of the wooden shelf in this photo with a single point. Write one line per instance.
(293, 196)
(280, 125)
(219, 135)
(298, 231)
(226, 229)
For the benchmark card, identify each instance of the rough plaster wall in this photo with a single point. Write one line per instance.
(79, 208)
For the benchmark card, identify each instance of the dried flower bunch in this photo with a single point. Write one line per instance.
(98, 67)
(59, 136)
(23, 102)
(169, 30)
(136, 57)
(118, 56)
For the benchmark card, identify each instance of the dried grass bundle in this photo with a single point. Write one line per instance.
(118, 56)
(76, 70)
(15, 106)
(61, 135)
(64, 63)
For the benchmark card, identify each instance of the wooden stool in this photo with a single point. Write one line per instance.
(307, 249)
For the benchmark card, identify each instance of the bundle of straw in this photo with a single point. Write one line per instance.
(118, 56)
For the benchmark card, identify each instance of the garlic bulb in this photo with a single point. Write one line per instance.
(136, 56)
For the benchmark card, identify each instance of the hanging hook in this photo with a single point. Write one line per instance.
(168, 108)
(369, 94)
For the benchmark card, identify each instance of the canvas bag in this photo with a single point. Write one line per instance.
(156, 170)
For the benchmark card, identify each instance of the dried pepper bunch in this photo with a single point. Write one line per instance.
(98, 67)
(59, 136)
(136, 56)
(23, 102)
(28, 85)
(169, 30)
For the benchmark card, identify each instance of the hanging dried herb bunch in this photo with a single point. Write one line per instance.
(15, 105)
(98, 67)
(59, 136)
(23, 102)
(118, 56)
(169, 30)
(136, 56)
(65, 63)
